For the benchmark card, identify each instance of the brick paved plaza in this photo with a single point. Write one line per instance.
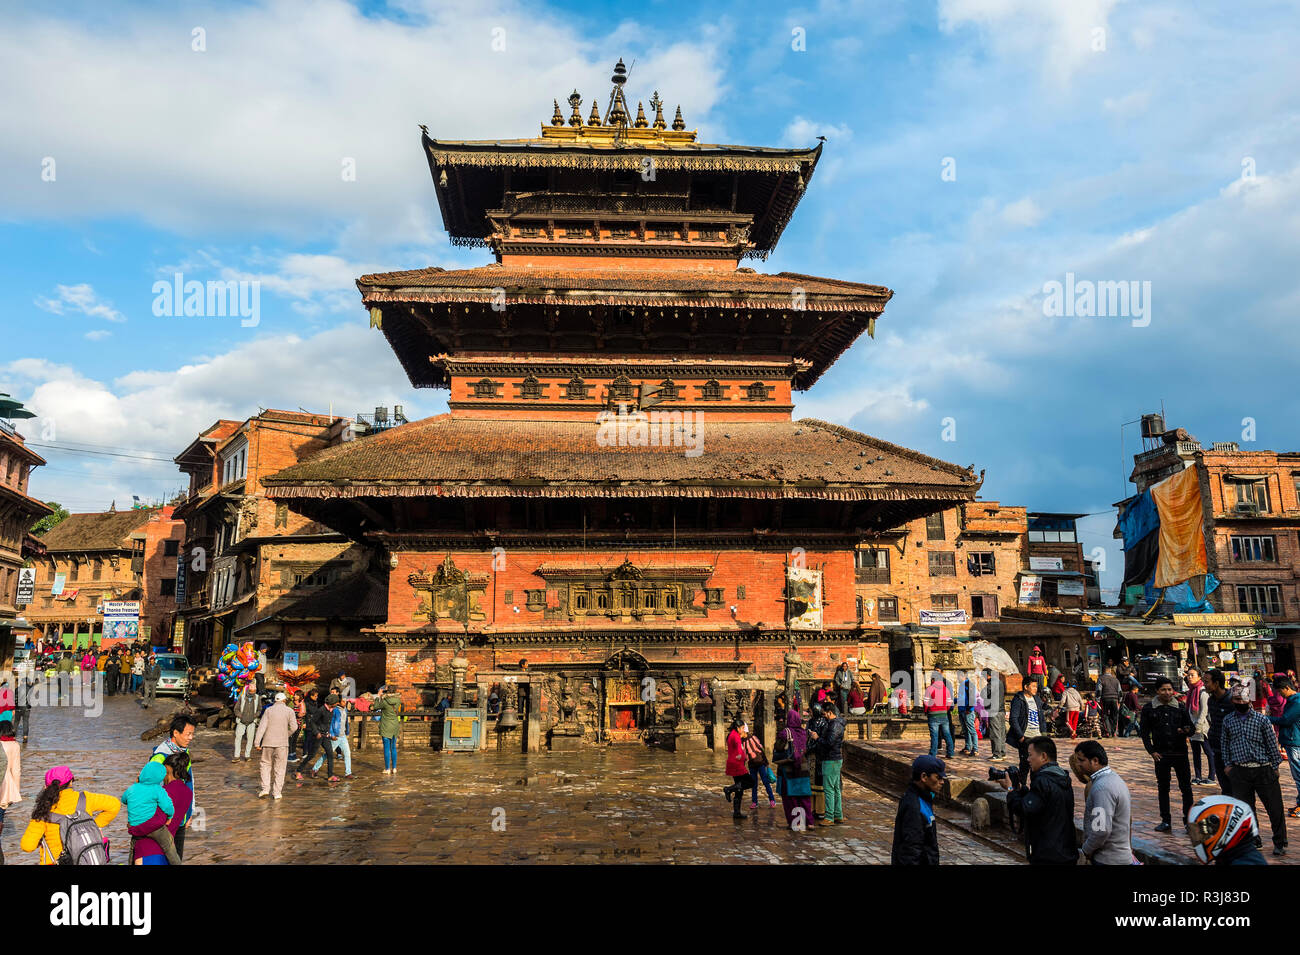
(623, 804)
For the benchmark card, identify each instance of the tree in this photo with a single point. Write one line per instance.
(49, 520)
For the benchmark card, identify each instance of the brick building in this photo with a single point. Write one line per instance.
(18, 511)
(109, 555)
(1251, 511)
(1055, 563)
(254, 570)
(618, 492)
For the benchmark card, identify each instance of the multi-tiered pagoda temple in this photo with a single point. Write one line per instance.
(619, 490)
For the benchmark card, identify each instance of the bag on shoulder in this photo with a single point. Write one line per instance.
(83, 843)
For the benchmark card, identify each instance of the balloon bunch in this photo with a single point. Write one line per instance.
(238, 667)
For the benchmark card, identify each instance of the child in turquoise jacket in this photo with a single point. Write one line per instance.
(147, 799)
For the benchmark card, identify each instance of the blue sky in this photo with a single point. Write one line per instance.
(1120, 141)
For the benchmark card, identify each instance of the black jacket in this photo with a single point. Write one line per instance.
(318, 719)
(1217, 709)
(830, 739)
(1019, 721)
(1165, 729)
(1048, 807)
(916, 842)
(1108, 687)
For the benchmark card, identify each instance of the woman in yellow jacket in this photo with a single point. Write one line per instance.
(58, 798)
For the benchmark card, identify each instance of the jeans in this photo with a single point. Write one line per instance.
(1251, 781)
(998, 734)
(339, 745)
(390, 752)
(1197, 746)
(760, 773)
(831, 788)
(1109, 717)
(244, 732)
(972, 741)
(314, 741)
(22, 715)
(150, 689)
(1177, 764)
(940, 725)
(1292, 760)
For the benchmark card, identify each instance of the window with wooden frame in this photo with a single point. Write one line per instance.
(530, 388)
(487, 388)
(757, 391)
(943, 564)
(983, 606)
(887, 609)
(575, 389)
(934, 526)
(943, 601)
(711, 390)
(1252, 548)
(980, 564)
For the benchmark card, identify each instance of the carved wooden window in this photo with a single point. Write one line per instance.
(576, 389)
(530, 387)
(887, 609)
(759, 391)
(669, 391)
(509, 596)
(579, 600)
(621, 388)
(670, 600)
(528, 231)
(281, 515)
(536, 599)
(740, 592)
(711, 390)
(712, 597)
(487, 388)
(602, 600)
(98, 570)
(648, 601)
(622, 232)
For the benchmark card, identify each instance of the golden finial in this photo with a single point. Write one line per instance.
(575, 101)
(594, 118)
(557, 118)
(678, 122)
(640, 118)
(658, 106)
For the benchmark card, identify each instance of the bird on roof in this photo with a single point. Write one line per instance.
(821, 139)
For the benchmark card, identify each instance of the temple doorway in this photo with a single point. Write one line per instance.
(625, 716)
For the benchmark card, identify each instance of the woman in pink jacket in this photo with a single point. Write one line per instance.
(736, 767)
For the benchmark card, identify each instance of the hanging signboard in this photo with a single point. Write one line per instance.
(290, 661)
(804, 605)
(121, 619)
(1217, 619)
(57, 587)
(943, 618)
(1045, 563)
(1069, 588)
(26, 586)
(180, 577)
(1031, 589)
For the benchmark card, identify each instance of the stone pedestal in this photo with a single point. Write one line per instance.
(509, 739)
(566, 737)
(459, 666)
(690, 737)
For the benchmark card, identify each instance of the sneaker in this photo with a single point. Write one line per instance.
(1295, 812)
(297, 775)
(347, 776)
(739, 815)
(1197, 781)
(277, 796)
(771, 804)
(1164, 827)
(263, 794)
(333, 779)
(839, 822)
(753, 805)
(235, 760)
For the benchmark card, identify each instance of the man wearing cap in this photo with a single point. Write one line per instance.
(916, 838)
(1251, 755)
(277, 725)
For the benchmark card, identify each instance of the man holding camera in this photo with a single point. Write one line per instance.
(1047, 805)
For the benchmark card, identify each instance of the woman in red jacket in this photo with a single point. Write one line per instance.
(736, 768)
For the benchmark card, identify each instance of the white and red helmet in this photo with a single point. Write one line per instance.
(1218, 824)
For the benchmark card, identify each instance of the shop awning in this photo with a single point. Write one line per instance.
(1156, 631)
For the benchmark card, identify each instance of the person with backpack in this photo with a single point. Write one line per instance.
(67, 824)
(756, 762)
(248, 710)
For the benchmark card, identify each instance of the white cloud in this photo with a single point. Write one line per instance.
(350, 369)
(1061, 34)
(804, 132)
(1023, 213)
(1129, 104)
(78, 298)
(98, 335)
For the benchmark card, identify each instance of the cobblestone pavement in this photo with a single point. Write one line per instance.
(1130, 760)
(620, 804)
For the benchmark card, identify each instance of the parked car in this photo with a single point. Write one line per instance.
(175, 674)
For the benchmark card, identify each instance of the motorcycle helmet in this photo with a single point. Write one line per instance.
(1218, 824)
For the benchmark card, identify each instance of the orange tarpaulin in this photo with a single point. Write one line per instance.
(1182, 528)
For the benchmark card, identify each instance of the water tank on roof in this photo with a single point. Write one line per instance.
(1153, 425)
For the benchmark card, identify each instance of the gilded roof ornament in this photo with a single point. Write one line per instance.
(575, 102)
(678, 122)
(594, 118)
(557, 118)
(641, 122)
(658, 106)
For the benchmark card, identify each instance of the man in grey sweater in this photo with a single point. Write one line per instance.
(1106, 808)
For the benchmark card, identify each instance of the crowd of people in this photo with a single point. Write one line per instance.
(1233, 733)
